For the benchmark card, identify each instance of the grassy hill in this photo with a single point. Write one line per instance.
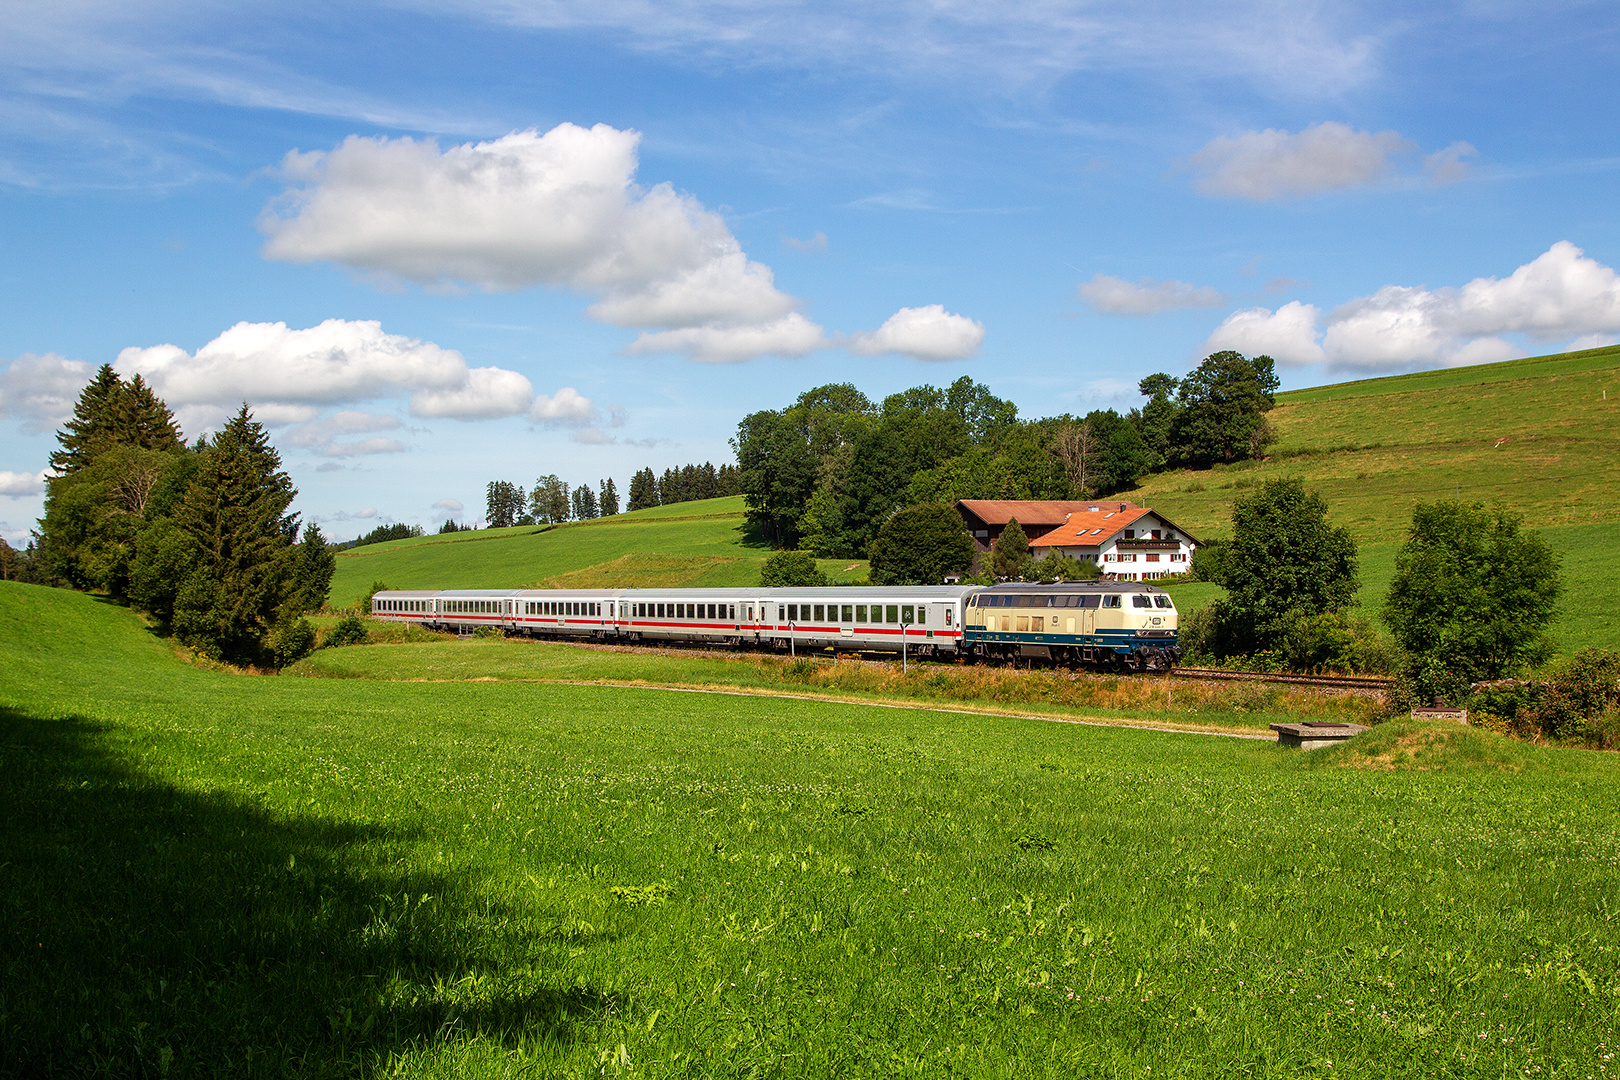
(1540, 435)
(704, 543)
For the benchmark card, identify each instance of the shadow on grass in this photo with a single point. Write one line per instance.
(146, 930)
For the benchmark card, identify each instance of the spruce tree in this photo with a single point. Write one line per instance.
(608, 500)
(235, 510)
(92, 424)
(1011, 553)
(643, 490)
(314, 563)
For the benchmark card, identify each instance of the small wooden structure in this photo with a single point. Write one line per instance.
(1442, 713)
(1314, 733)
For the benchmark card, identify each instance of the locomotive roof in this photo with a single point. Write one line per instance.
(1027, 588)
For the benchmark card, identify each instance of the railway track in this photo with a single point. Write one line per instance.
(1337, 682)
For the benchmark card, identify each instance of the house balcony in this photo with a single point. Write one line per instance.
(1147, 545)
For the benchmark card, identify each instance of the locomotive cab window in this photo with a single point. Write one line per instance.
(1141, 601)
(1111, 601)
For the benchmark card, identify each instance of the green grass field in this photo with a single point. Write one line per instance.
(208, 874)
(693, 544)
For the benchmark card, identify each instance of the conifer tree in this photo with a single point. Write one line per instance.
(643, 490)
(235, 511)
(314, 563)
(1011, 553)
(92, 424)
(608, 498)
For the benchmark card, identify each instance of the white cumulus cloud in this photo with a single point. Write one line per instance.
(927, 333)
(447, 508)
(324, 435)
(558, 209)
(289, 375)
(21, 485)
(566, 408)
(1273, 164)
(1558, 295)
(791, 335)
(1115, 296)
(1287, 335)
(41, 390)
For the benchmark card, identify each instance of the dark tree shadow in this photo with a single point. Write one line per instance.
(146, 930)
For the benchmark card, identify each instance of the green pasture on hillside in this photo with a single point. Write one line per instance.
(693, 544)
(1589, 614)
(208, 874)
(1541, 436)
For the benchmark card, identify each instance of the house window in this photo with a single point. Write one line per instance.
(1153, 556)
(1130, 534)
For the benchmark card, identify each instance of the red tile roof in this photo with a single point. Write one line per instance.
(1105, 521)
(1036, 511)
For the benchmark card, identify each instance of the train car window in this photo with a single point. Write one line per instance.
(1140, 601)
(821, 613)
(860, 613)
(712, 609)
(893, 613)
(908, 614)
(849, 614)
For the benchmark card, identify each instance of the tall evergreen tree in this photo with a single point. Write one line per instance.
(503, 503)
(1011, 552)
(314, 563)
(643, 490)
(235, 511)
(92, 424)
(608, 498)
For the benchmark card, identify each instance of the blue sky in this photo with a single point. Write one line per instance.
(436, 245)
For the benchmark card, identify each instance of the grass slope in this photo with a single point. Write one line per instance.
(693, 544)
(209, 874)
(1375, 447)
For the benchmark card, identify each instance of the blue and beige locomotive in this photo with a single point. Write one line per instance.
(1117, 624)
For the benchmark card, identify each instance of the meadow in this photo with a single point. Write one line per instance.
(210, 874)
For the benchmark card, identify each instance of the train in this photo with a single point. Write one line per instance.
(1117, 625)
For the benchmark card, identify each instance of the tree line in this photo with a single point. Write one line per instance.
(199, 536)
(551, 501)
(827, 472)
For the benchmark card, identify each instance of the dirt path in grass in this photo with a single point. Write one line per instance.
(1088, 721)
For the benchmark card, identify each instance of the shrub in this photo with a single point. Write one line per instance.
(791, 570)
(1325, 640)
(350, 630)
(290, 641)
(362, 602)
(1578, 697)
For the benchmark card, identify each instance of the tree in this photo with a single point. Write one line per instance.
(1065, 568)
(608, 498)
(1283, 557)
(549, 501)
(920, 545)
(584, 503)
(1221, 410)
(778, 473)
(235, 511)
(503, 504)
(643, 491)
(1076, 447)
(791, 570)
(314, 563)
(1011, 552)
(9, 563)
(1473, 595)
(111, 412)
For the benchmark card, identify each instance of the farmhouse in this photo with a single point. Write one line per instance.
(1126, 541)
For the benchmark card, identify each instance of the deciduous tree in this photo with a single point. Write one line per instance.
(1473, 595)
(1283, 556)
